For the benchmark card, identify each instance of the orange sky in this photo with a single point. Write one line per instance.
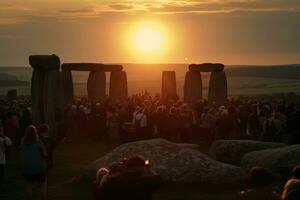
(228, 31)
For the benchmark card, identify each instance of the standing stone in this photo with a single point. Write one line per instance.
(217, 87)
(168, 89)
(118, 89)
(96, 86)
(45, 62)
(192, 87)
(52, 101)
(37, 104)
(68, 90)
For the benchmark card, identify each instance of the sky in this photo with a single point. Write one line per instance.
(191, 31)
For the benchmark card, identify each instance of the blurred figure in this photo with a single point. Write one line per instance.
(113, 120)
(291, 189)
(140, 123)
(34, 167)
(48, 143)
(5, 142)
(260, 181)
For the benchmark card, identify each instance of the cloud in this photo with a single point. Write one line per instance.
(121, 6)
(11, 12)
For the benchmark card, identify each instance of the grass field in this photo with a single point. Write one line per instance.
(71, 157)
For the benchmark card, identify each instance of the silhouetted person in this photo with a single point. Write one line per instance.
(260, 181)
(291, 189)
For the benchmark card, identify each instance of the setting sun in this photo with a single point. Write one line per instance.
(147, 39)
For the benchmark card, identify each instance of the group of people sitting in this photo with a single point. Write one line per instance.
(128, 179)
(133, 179)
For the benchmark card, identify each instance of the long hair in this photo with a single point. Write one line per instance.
(30, 135)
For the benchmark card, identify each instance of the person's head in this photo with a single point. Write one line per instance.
(136, 163)
(43, 129)
(116, 168)
(259, 177)
(296, 172)
(99, 175)
(30, 135)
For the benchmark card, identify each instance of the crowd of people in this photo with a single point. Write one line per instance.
(142, 117)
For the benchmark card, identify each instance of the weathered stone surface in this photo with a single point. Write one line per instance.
(232, 151)
(175, 163)
(68, 88)
(217, 87)
(118, 89)
(52, 99)
(168, 89)
(91, 67)
(207, 67)
(45, 62)
(96, 86)
(37, 92)
(276, 160)
(192, 87)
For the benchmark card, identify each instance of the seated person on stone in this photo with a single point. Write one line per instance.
(291, 189)
(137, 182)
(260, 181)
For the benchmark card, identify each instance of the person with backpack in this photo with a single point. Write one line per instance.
(5, 142)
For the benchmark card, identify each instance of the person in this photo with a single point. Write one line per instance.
(138, 181)
(291, 189)
(34, 167)
(140, 123)
(260, 181)
(4, 143)
(48, 143)
(113, 124)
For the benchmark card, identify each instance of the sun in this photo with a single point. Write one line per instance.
(147, 39)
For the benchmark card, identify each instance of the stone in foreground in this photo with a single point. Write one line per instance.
(277, 160)
(174, 162)
(207, 67)
(232, 151)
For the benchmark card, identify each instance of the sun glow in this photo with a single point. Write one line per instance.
(147, 40)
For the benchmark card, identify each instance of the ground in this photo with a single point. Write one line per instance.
(71, 156)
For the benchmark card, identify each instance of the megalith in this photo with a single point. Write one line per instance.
(192, 87)
(118, 89)
(37, 104)
(217, 87)
(46, 90)
(207, 67)
(96, 85)
(53, 101)
(168, 89)
(68, 89)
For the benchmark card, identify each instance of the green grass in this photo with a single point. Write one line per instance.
(71, 157)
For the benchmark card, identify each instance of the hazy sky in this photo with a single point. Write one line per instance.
(228, 31)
